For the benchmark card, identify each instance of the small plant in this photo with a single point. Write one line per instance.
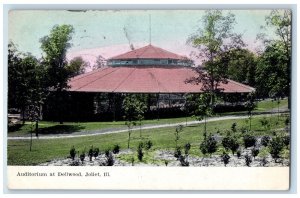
(177, 152)
(183, 161)
(230, 142)
(140, 153)
(263, 161)
(96, 152)
(73, 152)
(233, 127)
(243, 129)
(276, 146)
(248, 159)
(178, 129)
(166, 162)
(209, 145)
(225, 158)
(116, 149)
(238, 153)
(187, 148)
(82, 156)
(286, 140)
(75, 163)
(249, 140)
(148, 145)
(91, 153)
(109, 158)
(254, 152)
(265, 140)
(132, 161)
(265, 123)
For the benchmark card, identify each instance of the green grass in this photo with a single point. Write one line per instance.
(162, 138)
(70, 127)
(267, 105)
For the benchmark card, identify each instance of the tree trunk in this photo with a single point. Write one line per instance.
(30, 141)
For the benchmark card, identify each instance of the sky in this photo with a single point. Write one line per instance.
(109, 33)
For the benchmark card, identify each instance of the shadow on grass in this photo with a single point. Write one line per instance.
(14, 128)
(61, 129)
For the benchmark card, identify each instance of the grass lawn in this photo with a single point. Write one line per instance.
(70, 127)
(162, 138)
(266, 105)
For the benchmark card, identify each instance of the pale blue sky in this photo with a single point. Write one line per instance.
(99, 29)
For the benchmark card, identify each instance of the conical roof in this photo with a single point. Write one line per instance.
(149, 52)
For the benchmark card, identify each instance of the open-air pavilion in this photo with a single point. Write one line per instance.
(147, 70)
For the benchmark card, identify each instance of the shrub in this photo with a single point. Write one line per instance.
(248, 160)
(254, 152)
(225, 158)
(286, 140)
(96, 152)
(116, 149)
(233, 127)
(265, 140)
(177, 152)
(184, 161)
(166, 162)
(243, 129)
(238, 153)
(140, 153)
(148, 145)
(72, 153)
(265, 123)
(106, 152)
(109, 159)
(231, 143)
(132, 161)
(249, 141)
(187, 148)
(91, 153)
(209, 145)
(275, 146)
(82, 156)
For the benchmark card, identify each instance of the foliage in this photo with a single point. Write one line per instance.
(140, 153)
(187, 148)
(134, 109)
(73, 152)
(82, 156)
(230, 142)
(100, 62)
(109, 158)
(183, 161)
(225, 158)
(208, 145)
(254, 152)
(91, 153)
(276, 146)
(178, 129)
(213, 39)
(248, 159)
(148, 144)
(116, 149)
(265, 123)
(233, 127)
(286, 140)
(96, 152)
(238, 153)
(250, 105)
(249, 140)
(265, 140)
(177, 152)
(77, 66)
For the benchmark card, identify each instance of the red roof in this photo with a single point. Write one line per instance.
(149, 51)
(145, 79)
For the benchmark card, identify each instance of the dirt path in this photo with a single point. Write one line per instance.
(110, 131)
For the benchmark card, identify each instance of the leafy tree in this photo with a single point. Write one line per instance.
(213, 39)
(273, 70)
(250, 105)
(77, 66)
(241, 65)
(55, 46)
(134, 108)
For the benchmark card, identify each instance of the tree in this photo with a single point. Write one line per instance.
(212, 41)
(134, 108)
(204, 109)
(77, 66)
(241, 64)
(100, 62)
(55, 47)
(208, 145)
(276, 58)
